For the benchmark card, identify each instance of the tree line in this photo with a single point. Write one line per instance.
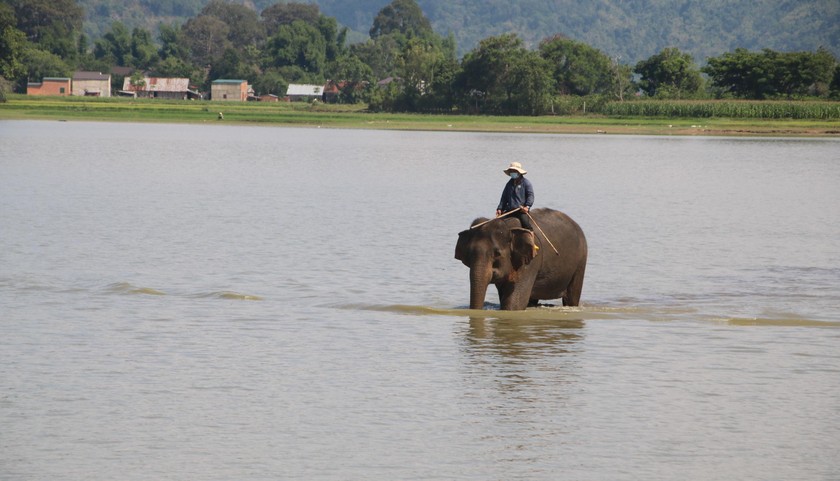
(403, 65)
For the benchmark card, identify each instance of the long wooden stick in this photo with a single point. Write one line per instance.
(495, 218)
(541, 232)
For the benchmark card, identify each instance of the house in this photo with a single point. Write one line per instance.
(91, 84)
(269, 98)
(229, 90)
(297, 92)
(159, 88)
(49, 86)
(334, 89)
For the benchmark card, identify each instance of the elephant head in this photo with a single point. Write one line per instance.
(498, 252)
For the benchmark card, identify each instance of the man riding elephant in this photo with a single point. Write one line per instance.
(518, 195)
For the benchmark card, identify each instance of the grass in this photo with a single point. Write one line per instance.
(646, 122)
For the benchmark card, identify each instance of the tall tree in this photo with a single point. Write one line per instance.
(12, 45)
(298, 44)
(768, 74)
(670, 73)
(52, 25)
(577, 68)
(500, 76)
(115, 46)
(286, 13)
(401, 16)
(244, 26)
(206, 38)
(171, 42)
(143, 50)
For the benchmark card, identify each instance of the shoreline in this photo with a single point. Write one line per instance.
(20, 107)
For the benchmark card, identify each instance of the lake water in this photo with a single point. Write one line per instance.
(209, 302)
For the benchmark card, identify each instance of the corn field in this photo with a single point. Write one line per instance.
(765, 109)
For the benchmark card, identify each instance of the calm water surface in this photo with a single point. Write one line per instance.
(211, 302)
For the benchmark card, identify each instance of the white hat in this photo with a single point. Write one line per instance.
(517, 167)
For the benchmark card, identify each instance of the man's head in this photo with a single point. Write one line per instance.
(515, 170)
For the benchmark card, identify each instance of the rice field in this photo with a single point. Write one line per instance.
(741, 109)
(660, 117)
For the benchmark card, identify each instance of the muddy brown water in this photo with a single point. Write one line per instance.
(221, 302)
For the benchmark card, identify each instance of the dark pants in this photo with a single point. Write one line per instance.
(524, 219)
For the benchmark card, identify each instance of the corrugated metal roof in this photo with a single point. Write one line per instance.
(81, 75)
(158, 84)
(305, 89)
(227, 81)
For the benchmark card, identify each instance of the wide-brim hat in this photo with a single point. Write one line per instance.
(517, 167)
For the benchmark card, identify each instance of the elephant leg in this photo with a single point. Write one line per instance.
(572, 294)
(516, 296)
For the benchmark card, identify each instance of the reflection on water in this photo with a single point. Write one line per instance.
(516, 339)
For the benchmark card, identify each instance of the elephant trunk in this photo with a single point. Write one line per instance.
(479, 280)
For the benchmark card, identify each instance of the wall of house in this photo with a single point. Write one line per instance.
(101, 86)
(49, 87)
(229, 92)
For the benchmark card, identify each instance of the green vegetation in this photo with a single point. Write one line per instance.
(356, 116)
(704, 109)
(630, 29)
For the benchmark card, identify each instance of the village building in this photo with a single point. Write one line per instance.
(159, 88)
(91, 84)
(229, 90)
(304, 92)
(50, 86)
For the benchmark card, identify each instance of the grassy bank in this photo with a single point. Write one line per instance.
(339, 116)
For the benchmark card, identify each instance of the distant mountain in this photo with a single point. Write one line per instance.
(631, 30)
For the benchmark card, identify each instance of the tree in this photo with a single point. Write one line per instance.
(143, 50)
(206, 39)
(380, 54)
(271, 82)
(39, 64)
(171, 42)
(670, 73)
(52, 25)
(577, 68)
(286, 13)
(115, 46)
(834, 87)
(500, 76)
(768, 74)
(401, 16)
(232, 65)
(244, 26)
(12, 45)
(298, 44)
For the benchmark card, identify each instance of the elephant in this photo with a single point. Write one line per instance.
(524, 265)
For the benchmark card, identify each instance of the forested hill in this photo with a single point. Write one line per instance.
(630, 29)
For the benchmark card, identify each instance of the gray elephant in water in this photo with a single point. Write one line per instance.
(501, 252)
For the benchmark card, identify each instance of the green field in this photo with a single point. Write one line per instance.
(646, 120)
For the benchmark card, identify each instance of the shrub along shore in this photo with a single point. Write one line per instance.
(650, 117)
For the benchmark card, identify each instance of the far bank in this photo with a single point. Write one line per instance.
(355, 116)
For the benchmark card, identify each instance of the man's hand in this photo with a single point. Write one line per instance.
(498, 212)
(525, 209)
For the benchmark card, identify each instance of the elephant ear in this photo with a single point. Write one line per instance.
(521, 247)
(461, 248)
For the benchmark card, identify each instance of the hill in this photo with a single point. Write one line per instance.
(631, 30)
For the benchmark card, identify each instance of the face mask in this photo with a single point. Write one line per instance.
(514, 175)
